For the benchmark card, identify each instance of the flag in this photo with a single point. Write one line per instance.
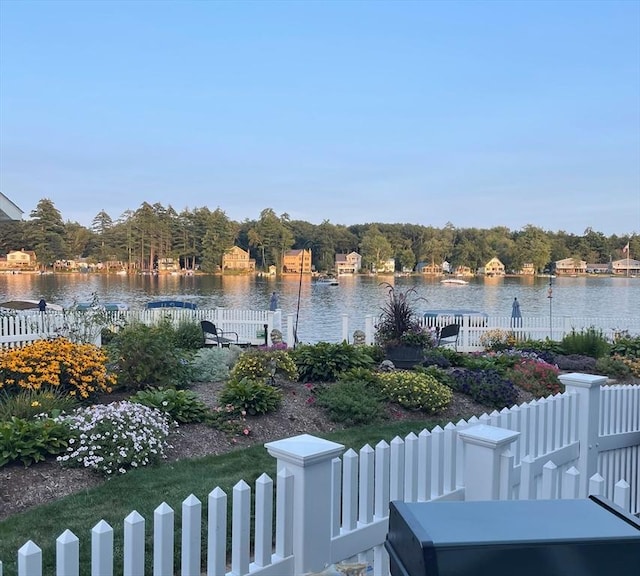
(626, 248)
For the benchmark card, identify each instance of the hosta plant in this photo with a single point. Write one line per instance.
(325, 362)
(32, 440)
(250, 396)
(113, 438)
(415, 390)
(78, 369)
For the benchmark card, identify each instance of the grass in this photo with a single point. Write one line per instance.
(144, 490)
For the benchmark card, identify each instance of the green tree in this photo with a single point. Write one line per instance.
(219, 237)
(45, 233)
(375, 249)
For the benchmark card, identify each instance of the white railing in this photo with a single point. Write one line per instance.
(253, 326)
(332, 507)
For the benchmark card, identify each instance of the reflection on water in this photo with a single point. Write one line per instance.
(319, 308)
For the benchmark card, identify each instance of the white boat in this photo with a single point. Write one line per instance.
(457, 281)
(327, 281)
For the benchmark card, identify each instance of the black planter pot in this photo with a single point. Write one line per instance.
(405, 357)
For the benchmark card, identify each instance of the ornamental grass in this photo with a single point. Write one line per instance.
(77, 369)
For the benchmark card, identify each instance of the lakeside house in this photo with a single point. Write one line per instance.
(429, 269)
(348, 263)
(385, 267)
(297, 261)
(19, 260)
(492, 268)
(238, 260)
(598, 268)
(528, 269)
(570, 266)
(625, 267)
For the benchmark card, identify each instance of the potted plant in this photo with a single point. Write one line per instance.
(399, 332)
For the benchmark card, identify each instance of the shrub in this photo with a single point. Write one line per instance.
(398, 323)
(250, 396)
(589, 342)
(627, 346)
(183, 406)
(28, 404)
(77, 369)
(415, 390)
(112, 438)
(485, 386)
(632, 363)
(212, 364)
(537, 377)
(324, 362)
(188, 336)
(351, 402)
(436, 358)
(440, 374)
(30, 441)
(497, 339)
(613, 367)
(575, 363)
(264, 364)
(146, 356)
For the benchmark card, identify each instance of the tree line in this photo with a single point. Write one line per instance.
(198, 238)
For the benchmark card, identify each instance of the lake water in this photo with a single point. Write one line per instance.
(321, 307)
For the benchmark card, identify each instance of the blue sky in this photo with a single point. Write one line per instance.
(476, 113)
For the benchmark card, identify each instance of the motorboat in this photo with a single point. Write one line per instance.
(454, 281)
(28, 306)
(170, 304)
(108, 306)
(327, 281)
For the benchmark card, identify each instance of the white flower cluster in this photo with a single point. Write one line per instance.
(115, 437)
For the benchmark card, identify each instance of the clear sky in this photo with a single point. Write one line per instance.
(477, 113)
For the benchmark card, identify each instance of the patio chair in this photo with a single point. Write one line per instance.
(213, 336)
(448, 335)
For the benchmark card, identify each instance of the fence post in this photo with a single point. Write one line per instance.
(483, 449)
(587, 388)
(291, 322)
(368, 329)
(345, 328)
(308, 459)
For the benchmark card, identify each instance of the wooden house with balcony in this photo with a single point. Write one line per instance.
(625, 267)
(297, 261)
(19, 260)
(348, 263)
(492, 268)
(570, 266)
(238, 260)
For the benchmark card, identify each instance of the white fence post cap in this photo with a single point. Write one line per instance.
(582, 380)
(488, 436)
(304, 449)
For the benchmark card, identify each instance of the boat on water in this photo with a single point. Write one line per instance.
(327, 281)
(454, 281)
(170, 304)
(108, 306)
(28, 306)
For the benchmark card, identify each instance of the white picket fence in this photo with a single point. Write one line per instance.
(332, 507)
(253, 326)
(473, 327)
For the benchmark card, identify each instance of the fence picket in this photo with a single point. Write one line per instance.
(381, 483)
(102, 549)
(67, 554)
(350, 490)
(397, 469)
(284, 514)
(410, 467)
(263, 520)
(191, 536)
(30, 559)
(216, 532)
(366, 485)
(134, 544)
(240, 528)
(163, 537)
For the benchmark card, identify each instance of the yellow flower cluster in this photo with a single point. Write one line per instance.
(633, 363)
(497, 339)
(415, 391)
(79, 369)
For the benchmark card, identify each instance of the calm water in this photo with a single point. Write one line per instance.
(321, 307)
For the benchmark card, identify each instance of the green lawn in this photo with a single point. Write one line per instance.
(144, 489)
